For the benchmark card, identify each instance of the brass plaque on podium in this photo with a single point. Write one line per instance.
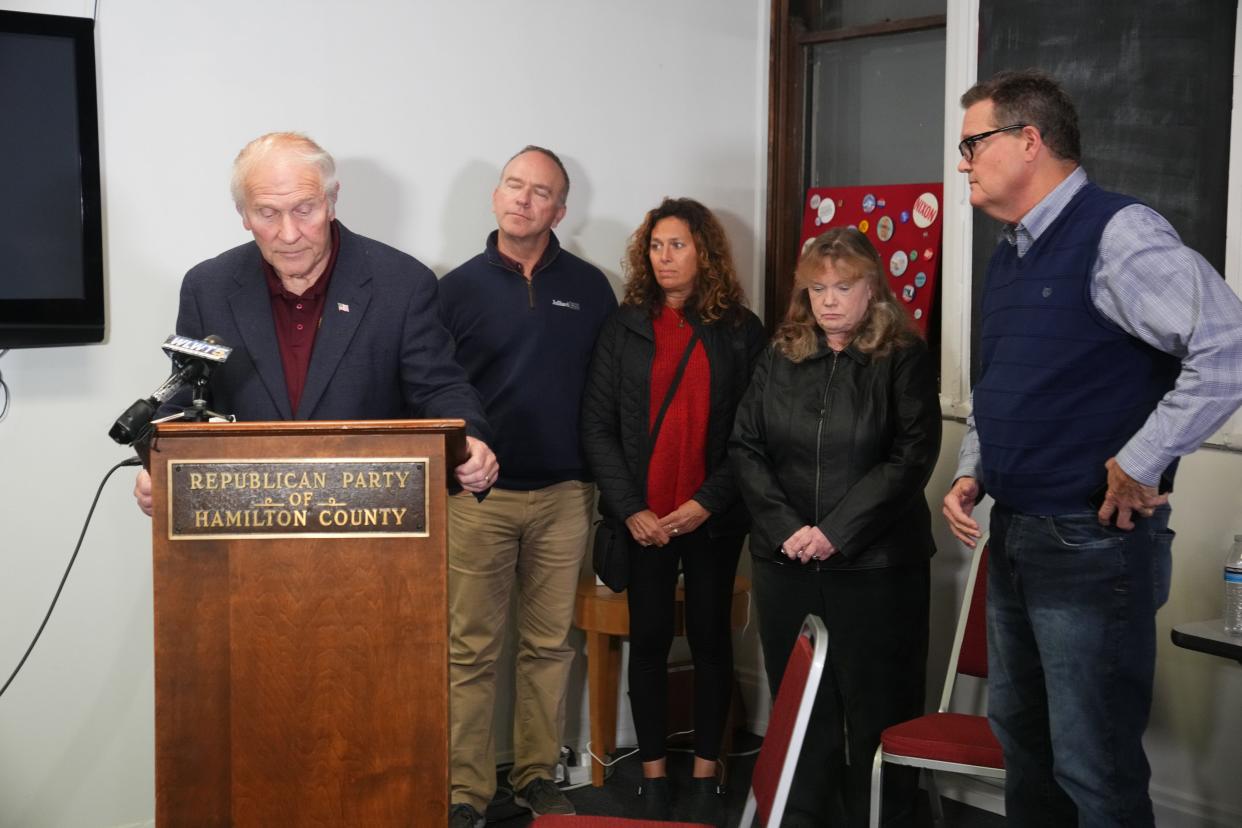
(321, 498)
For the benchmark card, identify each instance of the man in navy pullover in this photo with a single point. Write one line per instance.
(524, 314)
(1109, 350)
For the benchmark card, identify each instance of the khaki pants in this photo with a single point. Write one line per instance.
(534, 540)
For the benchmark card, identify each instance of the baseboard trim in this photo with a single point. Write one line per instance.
(977, 793)
(1175, 809)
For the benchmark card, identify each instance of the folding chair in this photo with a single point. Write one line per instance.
(774, 769)
(945, 741)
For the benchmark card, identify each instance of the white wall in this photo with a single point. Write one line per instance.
(421, 103)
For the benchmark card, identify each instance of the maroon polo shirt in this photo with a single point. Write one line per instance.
(297, 320)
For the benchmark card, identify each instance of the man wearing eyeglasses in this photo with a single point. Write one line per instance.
(1109, 350)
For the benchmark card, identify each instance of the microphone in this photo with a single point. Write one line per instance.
(192, 361)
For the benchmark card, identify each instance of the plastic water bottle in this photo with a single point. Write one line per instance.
(1233, 588)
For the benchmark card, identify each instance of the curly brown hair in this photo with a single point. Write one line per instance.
(717, 293)
(885, 324)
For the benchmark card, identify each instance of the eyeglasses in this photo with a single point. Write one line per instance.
(967, 145)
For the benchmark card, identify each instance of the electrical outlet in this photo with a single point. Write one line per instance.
(574, 767)
(572, 776)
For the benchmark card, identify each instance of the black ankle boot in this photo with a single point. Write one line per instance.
(656, 799)
(706, 801)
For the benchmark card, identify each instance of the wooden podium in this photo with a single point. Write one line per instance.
(301, 623)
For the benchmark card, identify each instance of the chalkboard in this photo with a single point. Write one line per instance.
(1153, 84)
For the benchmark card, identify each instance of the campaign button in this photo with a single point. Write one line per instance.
(898, 262)
(926, 208)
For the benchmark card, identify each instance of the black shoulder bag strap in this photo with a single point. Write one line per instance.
(672, 389)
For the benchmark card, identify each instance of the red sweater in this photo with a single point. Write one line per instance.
(678, 463)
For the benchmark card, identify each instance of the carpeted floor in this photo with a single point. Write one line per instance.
(617, 796)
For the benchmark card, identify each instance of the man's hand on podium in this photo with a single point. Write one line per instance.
(477, 474)
(142, 491)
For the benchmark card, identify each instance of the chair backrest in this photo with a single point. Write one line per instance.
(970, 642)
(782, 744)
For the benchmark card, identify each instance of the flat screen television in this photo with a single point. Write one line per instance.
(51, 237)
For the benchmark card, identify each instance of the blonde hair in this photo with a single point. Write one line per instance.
(293, 144)
(884, 325)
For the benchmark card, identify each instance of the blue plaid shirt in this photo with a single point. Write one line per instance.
(1160, 291)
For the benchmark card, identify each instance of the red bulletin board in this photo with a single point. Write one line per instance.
(903, 222)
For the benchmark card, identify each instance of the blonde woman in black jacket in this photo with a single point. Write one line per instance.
(832, 447)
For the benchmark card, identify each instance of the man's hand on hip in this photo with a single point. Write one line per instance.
(1127, 497)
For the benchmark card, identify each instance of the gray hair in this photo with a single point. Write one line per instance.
(1033, 98)
(555, 160)
(294, 144)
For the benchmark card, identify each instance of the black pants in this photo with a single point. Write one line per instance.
(709, 565)
(875, 677)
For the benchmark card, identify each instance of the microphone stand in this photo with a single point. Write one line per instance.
(198, 412)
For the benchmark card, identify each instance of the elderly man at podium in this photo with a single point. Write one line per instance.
(324, 324)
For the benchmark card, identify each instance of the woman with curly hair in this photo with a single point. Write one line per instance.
(668, 371)
(832, 447)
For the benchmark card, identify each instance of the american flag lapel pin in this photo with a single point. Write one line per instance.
(342, 307)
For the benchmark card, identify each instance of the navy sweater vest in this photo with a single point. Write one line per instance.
(1062, 388)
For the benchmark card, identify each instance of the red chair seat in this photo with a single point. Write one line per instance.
(945, 737)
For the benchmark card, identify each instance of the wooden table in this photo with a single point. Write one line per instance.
(1208, 637)
(604, 616)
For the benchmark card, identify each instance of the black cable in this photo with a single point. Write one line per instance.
(4, 410)
(132, 461)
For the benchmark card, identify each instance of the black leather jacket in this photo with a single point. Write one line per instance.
(844, 442)
(616, 411)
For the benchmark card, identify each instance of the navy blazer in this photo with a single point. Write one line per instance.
(380, 353)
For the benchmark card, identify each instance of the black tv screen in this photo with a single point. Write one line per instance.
(51, 248)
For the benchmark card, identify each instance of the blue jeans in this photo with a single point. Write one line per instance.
(1071, 657)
